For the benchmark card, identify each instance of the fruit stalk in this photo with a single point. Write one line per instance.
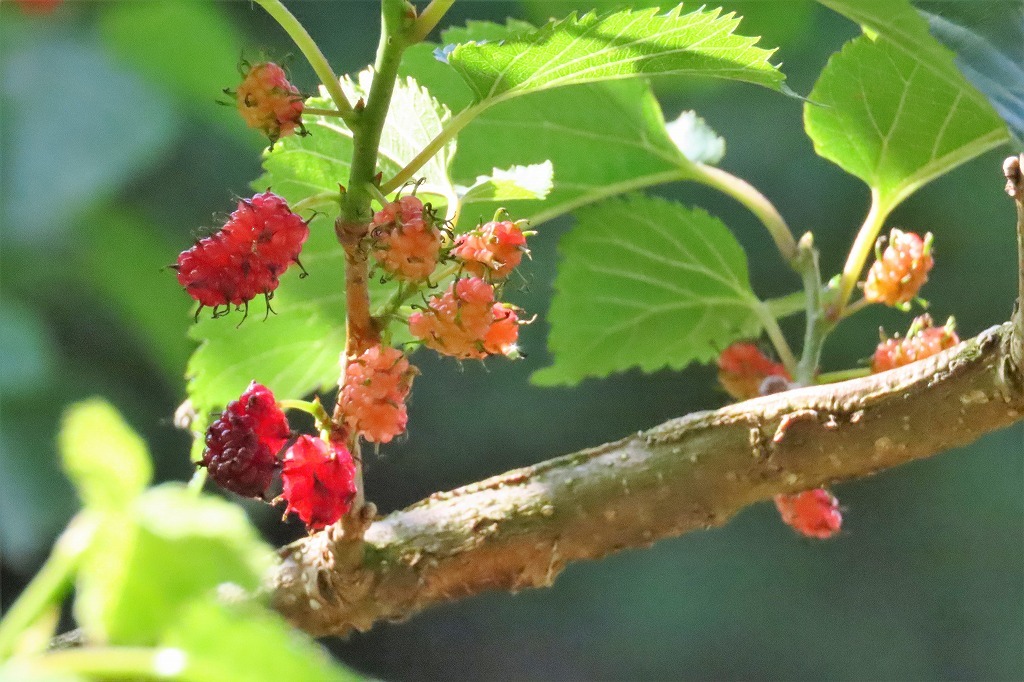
(309, 48)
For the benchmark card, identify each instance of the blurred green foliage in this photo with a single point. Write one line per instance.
(114, 156)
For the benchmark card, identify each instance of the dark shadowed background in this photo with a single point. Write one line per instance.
(114, 154)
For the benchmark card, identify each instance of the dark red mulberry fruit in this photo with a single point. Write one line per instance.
(242, 444)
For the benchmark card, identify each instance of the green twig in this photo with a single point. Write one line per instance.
(818, 325)
(50, 585)
(863, 247)
(787, 305)
(745, 193)
(428, 19)
(316, 59)
(775, 335)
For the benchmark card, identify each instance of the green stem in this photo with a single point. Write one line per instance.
(428, 19)
(50, 585)
(314, 111)
(318, 199)
(198, 480)
(354, 220)
(775, 335)
(843, 375)
(118, 663)
(745, 193)
(406, 291)
(787, 305)
(818, 326)
(863, 247)
(375, 193)
(316, 59)
(313, 408)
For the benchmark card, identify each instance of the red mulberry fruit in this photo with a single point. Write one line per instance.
(245, 257)
(742, 369)
(492, 250)
(406, 242)
(813, 513)
(465, 322)
(901, 270)
(268, 102)
(376, 385)
(923, 340)
(318, 481)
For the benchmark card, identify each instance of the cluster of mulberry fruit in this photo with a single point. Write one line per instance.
(246, 257)
(242, 455)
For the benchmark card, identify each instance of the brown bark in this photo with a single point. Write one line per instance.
(521, 528)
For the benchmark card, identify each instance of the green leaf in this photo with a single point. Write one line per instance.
(987, 39)
(244, 642)
(168, 549)
(296, 351)
(518, 182)
(646, 283)
(619, 45)
(695, 138)
(885, 116)
(602, 140)
(107, 461)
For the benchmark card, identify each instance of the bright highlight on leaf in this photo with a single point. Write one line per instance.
(619, 45)
(104, 457)
(885, 116)
(518, 182)
(646, 283)
(695, 138)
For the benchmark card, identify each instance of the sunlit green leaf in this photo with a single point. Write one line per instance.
(247, 642)
(620, 45)
(646, 283)
(168, 549)
(518, 182)
(885, 116)
(105, 458)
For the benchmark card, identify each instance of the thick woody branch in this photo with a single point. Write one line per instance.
(520, 529)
